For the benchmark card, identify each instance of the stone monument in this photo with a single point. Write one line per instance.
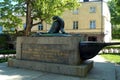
(51, 52)
(56, 52)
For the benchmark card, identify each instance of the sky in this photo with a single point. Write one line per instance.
(1, 0)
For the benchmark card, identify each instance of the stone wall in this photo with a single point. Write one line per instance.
(63, 50)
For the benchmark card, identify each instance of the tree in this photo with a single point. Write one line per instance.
(44, 10)
(117, 3)
(115, 14)
(7, 15)
(114, 7)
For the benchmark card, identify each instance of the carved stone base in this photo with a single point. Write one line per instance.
(59, 50)
(76, 70)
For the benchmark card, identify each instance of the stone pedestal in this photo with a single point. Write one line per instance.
(51, 54)
(72, 70)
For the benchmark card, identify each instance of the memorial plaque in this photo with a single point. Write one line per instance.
(55, 53)
(63, 50)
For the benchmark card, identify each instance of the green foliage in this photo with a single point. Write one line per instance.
(117, 3)
(7, 52)
(45, 9)
(115, 12)
(113, 47)
(8, 17)
(116, 31)
(42, 10)
(3, 60)
(115, 18)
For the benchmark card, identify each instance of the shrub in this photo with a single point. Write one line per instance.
(7, 52)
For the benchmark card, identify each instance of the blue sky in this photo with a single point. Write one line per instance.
(3, 0)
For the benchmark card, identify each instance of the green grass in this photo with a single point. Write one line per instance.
(116, 40)
(112, 57)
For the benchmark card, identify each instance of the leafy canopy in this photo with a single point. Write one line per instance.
(8, 19)
(39, 9)
(45, 9)
(114, 6)
(115, 12)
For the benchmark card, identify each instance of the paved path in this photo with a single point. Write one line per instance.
(102, 70)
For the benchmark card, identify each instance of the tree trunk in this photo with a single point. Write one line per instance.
(28, 19)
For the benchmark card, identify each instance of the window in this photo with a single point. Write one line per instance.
(75, 24)
(92, 24)
(76, 11)
(92, 9)
(40, 27)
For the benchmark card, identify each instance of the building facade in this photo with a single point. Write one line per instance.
(91, 19)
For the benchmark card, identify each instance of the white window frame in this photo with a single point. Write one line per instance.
(40, 27)
(92, 9)
(76, 11)
(92, 24)
(75, 24)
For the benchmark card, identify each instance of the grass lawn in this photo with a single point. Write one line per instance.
(112, 57)
(116, 40)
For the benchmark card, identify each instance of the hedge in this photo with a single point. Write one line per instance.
(3, 52)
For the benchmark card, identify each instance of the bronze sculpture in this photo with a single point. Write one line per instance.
(57, 25)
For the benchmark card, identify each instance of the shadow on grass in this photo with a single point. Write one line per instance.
(118, 63)
(110, 54)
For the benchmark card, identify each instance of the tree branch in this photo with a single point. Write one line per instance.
(36, 23)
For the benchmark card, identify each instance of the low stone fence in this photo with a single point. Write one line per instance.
(111, 50)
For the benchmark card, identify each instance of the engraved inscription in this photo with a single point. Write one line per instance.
(56, 53)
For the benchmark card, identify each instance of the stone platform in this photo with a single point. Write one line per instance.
(79, 70)
(51, 54)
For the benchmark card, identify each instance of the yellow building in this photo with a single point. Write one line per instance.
(92, 20)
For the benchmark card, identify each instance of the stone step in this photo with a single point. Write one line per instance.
(71, 70)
